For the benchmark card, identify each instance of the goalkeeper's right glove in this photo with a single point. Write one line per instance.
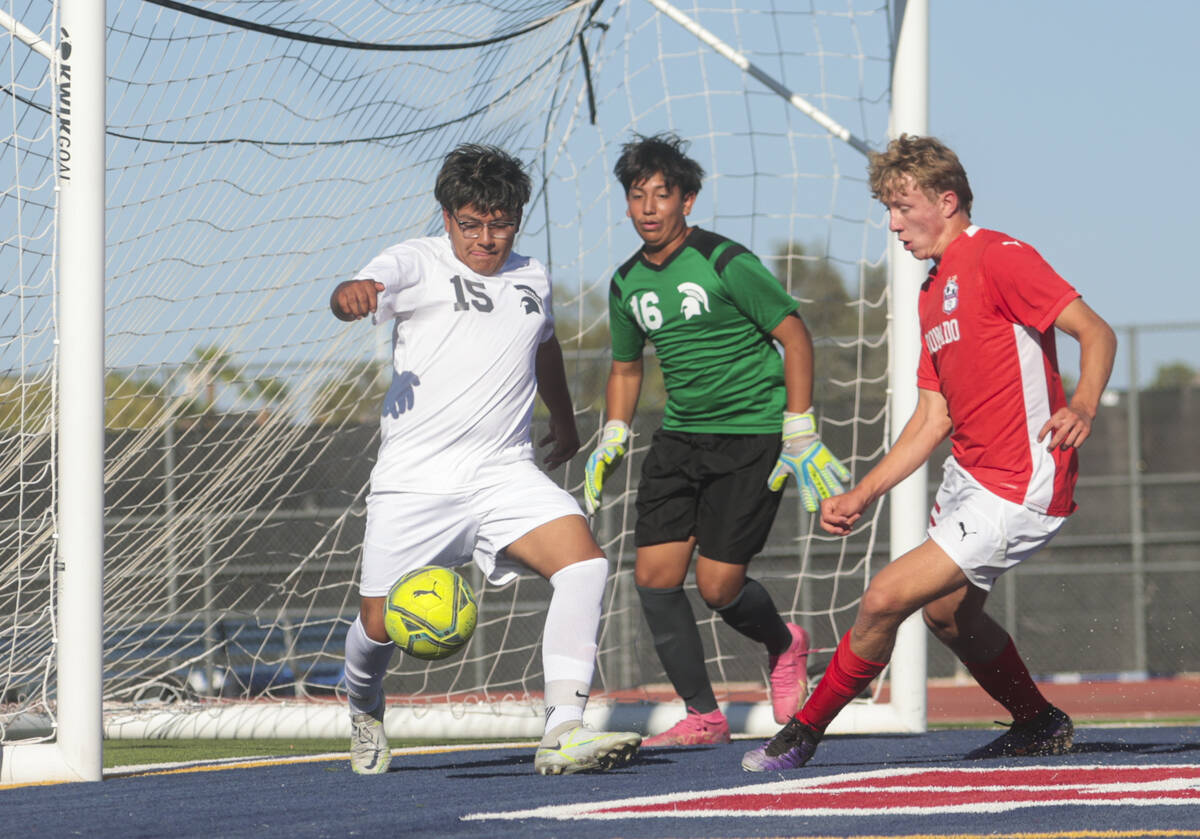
(818, 471)
(606, 456)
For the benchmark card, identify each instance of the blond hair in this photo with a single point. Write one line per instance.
(928, 162)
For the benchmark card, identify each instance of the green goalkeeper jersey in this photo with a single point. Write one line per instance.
(708, 310)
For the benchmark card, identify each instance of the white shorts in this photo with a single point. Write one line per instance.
(406, 530)
(983, 533)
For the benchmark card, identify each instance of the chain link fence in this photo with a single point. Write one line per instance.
(1113, 594)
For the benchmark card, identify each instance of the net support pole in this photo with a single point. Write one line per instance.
(79, 74)
(908, 500)
(728, 52)
(26, 35)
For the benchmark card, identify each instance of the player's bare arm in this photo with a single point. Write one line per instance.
(552, 388)
(623, 389)
(796, 341)
(1071, 425)
(928, 426)
(355, 299)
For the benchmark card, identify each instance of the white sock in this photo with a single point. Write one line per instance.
(569, 643)
(366, 665)
(565, 700)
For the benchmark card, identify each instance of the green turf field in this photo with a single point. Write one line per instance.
(119, 753)
(142, 752)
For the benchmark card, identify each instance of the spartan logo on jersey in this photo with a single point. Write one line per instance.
(950, 295)
(401, 394)
(529, 299)
(695, 301)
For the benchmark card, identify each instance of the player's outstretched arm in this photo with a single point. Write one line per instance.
(552, 388)
(1071, 425)
(621, 396)
(928, 426)
(355, 299)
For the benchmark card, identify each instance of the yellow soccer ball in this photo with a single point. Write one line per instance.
(431, 612)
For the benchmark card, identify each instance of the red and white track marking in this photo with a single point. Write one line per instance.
(903, 792)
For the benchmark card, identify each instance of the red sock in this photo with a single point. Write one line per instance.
(1007, 680)
(844, 679)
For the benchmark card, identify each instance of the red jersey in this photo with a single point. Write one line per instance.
(987, 326)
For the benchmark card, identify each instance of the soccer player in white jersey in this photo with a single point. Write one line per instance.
(456, 481)
(988, 378)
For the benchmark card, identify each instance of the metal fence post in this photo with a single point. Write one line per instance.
(1136, 525)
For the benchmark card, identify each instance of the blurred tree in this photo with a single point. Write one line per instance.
(581, 317)
(354, 396)
(1176, 374)
(25, 403)
(211, 369)
(131, 402)
(848, 322)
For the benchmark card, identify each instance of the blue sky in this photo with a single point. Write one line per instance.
(1075, 121)
(1077, 125)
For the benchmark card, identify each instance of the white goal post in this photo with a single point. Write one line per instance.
(77, 66)
(188, 432)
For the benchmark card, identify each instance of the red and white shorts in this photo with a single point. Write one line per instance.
(983, 533)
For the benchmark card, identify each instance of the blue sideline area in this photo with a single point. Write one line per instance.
(1116, 779)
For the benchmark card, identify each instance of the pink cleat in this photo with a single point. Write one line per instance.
(695, 729)
(789, 676)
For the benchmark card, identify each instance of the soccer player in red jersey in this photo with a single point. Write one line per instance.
(988, 378)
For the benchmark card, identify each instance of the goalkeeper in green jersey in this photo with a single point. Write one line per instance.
(738, 421)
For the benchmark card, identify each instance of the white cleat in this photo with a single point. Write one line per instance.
(369, 752)
(581, 749)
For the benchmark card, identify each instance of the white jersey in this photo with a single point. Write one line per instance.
(460, 404)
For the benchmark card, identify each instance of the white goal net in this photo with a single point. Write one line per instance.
(260, 152)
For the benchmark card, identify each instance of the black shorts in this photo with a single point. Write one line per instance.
(711, 486)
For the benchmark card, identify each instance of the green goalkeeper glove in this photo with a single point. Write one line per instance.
(817, 470)
(606, 456)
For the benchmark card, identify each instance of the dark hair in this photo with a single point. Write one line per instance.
(927, 161)
(485, 177)
(662, 154)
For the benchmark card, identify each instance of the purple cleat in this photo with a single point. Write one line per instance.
(791, 748)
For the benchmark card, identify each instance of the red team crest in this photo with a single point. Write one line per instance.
(950, 295)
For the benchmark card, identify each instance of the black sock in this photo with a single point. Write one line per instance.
(677, 640)
(753, 614)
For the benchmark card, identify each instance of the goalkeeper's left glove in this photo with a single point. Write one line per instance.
(817, 470)
(613, 441)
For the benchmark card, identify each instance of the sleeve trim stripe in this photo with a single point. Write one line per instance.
(728, 255)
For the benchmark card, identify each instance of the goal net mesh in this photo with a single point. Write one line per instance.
(261, 152)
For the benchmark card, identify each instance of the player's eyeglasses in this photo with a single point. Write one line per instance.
(473, 229)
